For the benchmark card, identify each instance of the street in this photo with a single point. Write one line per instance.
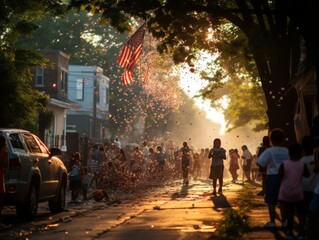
(171, 212)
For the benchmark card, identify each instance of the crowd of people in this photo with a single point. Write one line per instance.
(133, 166)
(288, 175)
(290, 180)
(113, 166)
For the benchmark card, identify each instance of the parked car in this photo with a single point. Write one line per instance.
(34, 174)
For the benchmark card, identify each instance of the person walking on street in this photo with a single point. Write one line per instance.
(271, 159)
(254, 168)
(247, 160)
(196, 166)
(186, 161)
(161, 158)
(233, 164)
(75, 177)
(85, 182)
(291, 195)
(218, 155)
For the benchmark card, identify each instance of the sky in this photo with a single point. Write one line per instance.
(211, 122)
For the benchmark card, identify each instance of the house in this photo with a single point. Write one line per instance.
(89, 88)
(54, 82)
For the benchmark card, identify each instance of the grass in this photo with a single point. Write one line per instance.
(235, 220)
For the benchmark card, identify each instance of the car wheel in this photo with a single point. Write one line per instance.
(29, 209)
(58, 204)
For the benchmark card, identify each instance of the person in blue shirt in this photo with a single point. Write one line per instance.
(218, 155)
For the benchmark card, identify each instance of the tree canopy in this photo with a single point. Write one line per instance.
(182, 27)
(19, 101)
(89, 42)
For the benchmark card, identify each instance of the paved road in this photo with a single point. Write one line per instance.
(172, 212)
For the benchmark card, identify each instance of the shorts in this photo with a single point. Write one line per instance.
(272, 186)
(216, 172)
(185, 164)
(75, 183)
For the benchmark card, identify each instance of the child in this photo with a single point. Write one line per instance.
(254, 168)
(85, 182)
(196, 166)
(291, 191)
(186, 161)
(271, 159)
(247, 159)
(233, 165)
(218, 155)
(75, 176)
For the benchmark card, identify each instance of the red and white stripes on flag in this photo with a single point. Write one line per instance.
(130, 53)
(127, 76)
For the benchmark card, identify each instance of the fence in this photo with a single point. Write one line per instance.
(69, 143)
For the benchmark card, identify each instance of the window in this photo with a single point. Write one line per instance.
(15, 141)
(43, 147)
(64, 80)
(79, 89)
(39, 76)
(32, 144)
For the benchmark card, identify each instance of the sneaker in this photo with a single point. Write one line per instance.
(270, 225)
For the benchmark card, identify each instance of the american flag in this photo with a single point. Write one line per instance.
(130, 53)
(127, 76)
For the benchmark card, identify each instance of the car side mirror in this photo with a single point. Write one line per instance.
(55, 152)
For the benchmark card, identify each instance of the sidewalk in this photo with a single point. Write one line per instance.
(258, 216)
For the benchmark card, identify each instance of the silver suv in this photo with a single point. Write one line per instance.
(34, 174)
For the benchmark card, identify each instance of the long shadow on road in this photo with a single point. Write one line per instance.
(220, 202)
(182, 193)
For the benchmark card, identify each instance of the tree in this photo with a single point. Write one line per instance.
(304, 14)
(182, 27)
(19, 102)
(230, 78)
(88, 42)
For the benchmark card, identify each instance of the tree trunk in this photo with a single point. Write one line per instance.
(281, 97)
